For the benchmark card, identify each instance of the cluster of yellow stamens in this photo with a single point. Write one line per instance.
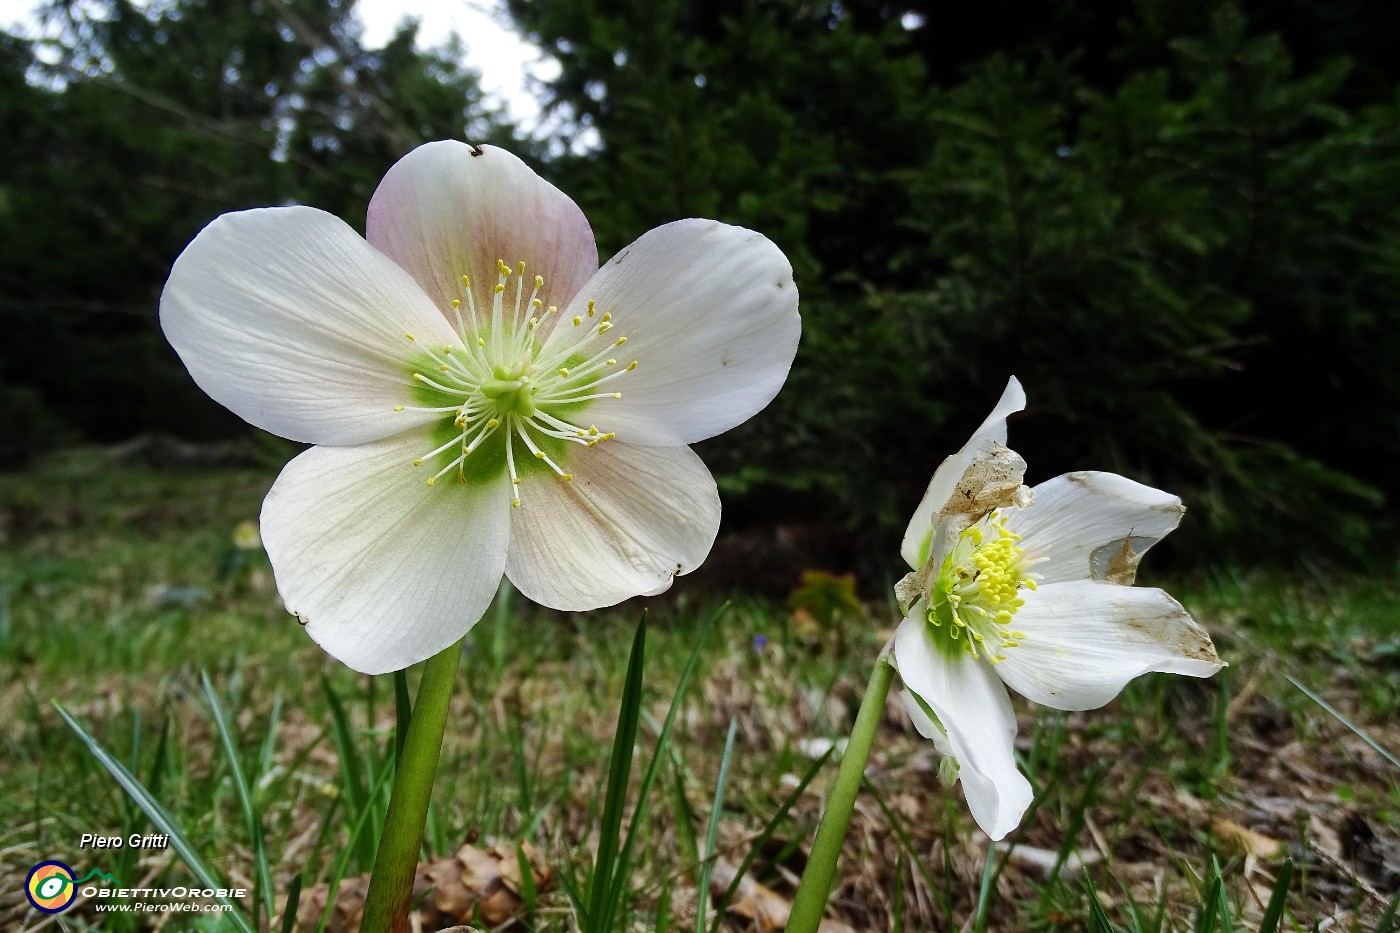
(511, 384)
(977, 592)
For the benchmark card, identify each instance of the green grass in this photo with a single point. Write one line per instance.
(121, 591)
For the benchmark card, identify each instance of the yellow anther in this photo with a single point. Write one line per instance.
(432, 481)
(591, 307)
(611, 363)
(443, 368)
(447, 351)
(606, 317)
(566, 477)
(456, 303)
(409, 336)
(515, 503)
(577, 320)
(521, 267)
(631, 366)
(516, 481)
(1029, 584)
(620, 341)
(563, 372)
(500, 288)
(481, 341)
(466, 282)
(604, 328)
(418, 462)
(398, 408)
(539, 455)
(418, 376)
(539, 279)
(592, 430)
(617, 395)
(493, 422)
(535, 303)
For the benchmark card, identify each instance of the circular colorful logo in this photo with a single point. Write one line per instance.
(50, 887)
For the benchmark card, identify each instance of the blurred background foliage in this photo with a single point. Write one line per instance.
(1177, 221)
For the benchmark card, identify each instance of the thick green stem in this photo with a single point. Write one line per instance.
(815, 887)
(396, 862)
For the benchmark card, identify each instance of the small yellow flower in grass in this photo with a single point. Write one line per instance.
(484, 399)
(1031, 589)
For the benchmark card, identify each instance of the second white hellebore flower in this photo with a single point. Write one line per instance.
(484, 399)
(1029, 589)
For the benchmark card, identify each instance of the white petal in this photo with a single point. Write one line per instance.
(710, 314)
(1093, 526)
(631, 519)
(914, 548)
(448, 209)
(1085, 641)
(384, 570)
(925, 726)
(288, 318)
(976, 713)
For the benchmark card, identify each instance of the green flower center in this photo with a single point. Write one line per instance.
(977, 593)
(513, 400)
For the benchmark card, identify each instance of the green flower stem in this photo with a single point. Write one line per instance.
(812, 892)
(396, 862)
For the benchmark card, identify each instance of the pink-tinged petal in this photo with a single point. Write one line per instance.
(1092, 525)
(1085, 640)
(384, 570)
(915, 546)
(289, 319)
(710, 315)
(631, 520)
(972, 706)
(448, 209)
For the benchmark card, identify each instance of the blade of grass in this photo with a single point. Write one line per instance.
(1356, 730)
(1273, 914)
(1098, 919)
(712, 831)
(984, 890)
(353, 785)
(615, 796)
(658, 756)
(1210, 904)
(262, 883)
(289, 908)
(157, 814)
(684, 818)
(528, 894)
(1227, 925)
(1387, 922)
(403, 713)
(767, 833)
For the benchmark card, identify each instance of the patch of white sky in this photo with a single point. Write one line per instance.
(512, 70)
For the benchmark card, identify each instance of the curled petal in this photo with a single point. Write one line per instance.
(986, 439)
(448, 209)
(710, 315)
(976, 714)
(384, 570)
(631, 520)
(1093, 525)
(1085, 640)
(285, 316)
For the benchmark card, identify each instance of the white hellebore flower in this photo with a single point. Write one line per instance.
(484, 399)
(1029, 589)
